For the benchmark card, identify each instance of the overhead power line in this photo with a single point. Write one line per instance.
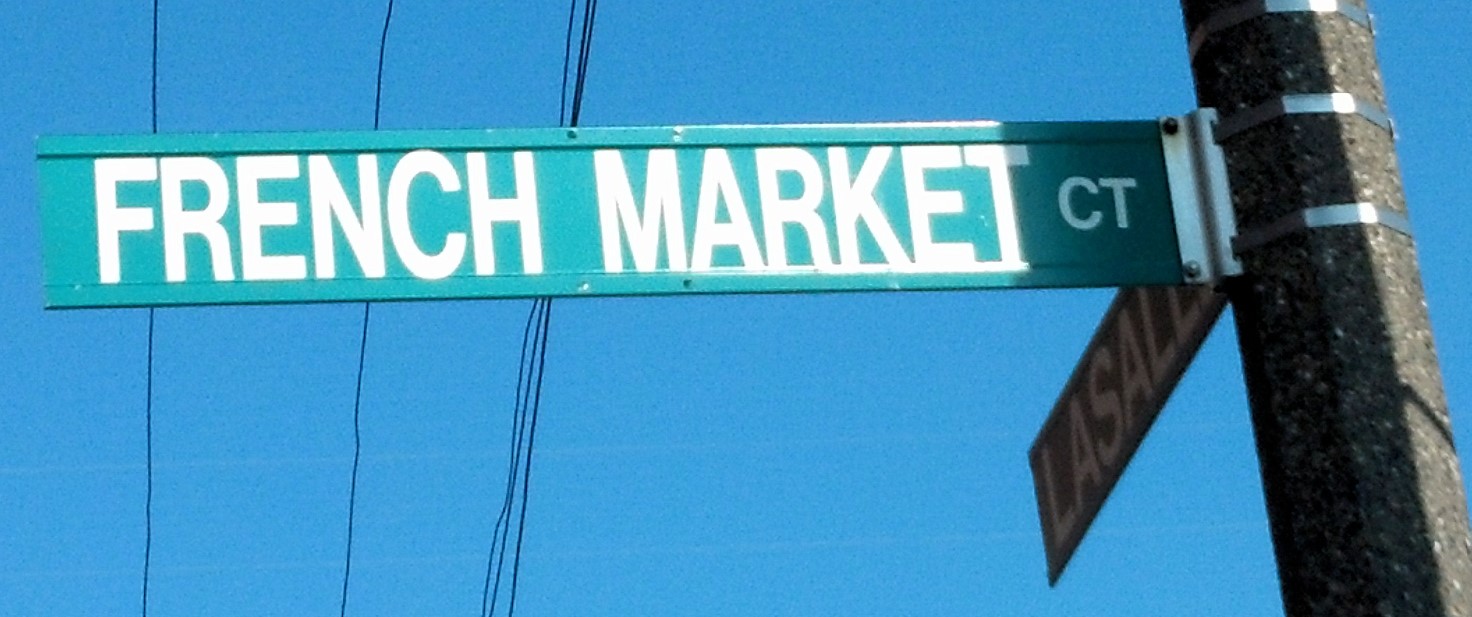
(382, 49)
(585, 50)
(148, 387)
(580, 74)
(523, 417)
(533, 360)
(347, 567)
(531, 437)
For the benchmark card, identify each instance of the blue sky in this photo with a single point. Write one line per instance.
(859, 454)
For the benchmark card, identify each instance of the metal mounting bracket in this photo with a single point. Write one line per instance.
(1201, 199)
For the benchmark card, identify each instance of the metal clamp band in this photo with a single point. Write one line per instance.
(1335, 103)
(1247, 11)
(1322, 216)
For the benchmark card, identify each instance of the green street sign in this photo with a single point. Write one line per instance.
(309, 217)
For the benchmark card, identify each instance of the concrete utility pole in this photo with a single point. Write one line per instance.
(1363, 486)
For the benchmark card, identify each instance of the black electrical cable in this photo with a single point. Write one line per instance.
(347, 567)
(590, 13)
(533, 361)
(585, 46)
(526, 476)
(148, 499)
(572, 10)
(153, 107)
(382, 49)
(357, 457)
(495, 562)
(148, 388)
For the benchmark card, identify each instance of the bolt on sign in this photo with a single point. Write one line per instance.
(1142, 347)
(309, 217)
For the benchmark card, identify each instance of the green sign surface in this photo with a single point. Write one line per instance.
(310, 217)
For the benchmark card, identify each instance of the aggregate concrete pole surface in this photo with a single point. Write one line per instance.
(1363, 486)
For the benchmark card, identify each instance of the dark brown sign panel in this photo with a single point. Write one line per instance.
(1143, 345)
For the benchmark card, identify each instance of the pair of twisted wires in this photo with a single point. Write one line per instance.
(518, 467)
(534, 353)
(585, 49)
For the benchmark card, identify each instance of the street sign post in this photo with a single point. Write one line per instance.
(1138, 354)
(1363, 486)
(269, 218)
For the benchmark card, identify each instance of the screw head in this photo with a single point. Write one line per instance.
(1170, 126)
(1192, 270)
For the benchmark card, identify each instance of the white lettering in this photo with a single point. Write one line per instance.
(1118, 186)
(1065, 203)
(522, 210)
(854, 201)
(422, 265)
(617, 208)
(777, 212)
(998, 161)
(330, 200)
(113, 219)
(717, 184)
(177, 222)
(925, 203)
(255, 265)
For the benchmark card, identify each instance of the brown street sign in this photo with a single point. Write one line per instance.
(1144, 343)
